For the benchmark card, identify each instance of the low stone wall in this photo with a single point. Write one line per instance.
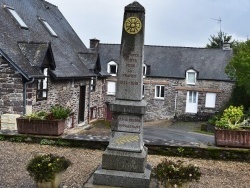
(192, 152)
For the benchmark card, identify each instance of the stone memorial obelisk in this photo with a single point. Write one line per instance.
(124, 163)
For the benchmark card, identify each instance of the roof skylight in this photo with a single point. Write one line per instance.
(48, 27)
(16, 16)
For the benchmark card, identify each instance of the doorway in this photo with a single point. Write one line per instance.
(82, 104)
(192, 102)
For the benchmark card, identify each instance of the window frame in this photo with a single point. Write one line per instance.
(208, 100)
(48, 27)
(16, 16)
(187, 76)
(144, 70)
(92, 84)
(160, 92)
(143, 90)
(42, 94)
(112, 63)
(111, 92)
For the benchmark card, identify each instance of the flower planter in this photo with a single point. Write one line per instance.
(55, 183)
(40, 127)
(232, 138)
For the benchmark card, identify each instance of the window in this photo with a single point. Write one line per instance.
(92, 84)
(192, 97)
(143, 90)
(112, 68)
(191, 77)
(17, 17)
(48, 27)
(144, 70)
(210, 100)
(111, 87)
(159, 92)
(42, 86)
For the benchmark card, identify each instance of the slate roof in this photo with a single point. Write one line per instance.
(173, 62)
(15, 47)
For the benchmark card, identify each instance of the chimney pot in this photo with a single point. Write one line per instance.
(226, 46)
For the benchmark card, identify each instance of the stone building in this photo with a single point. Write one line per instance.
(177, 80)
(43, 63)
(42, 60)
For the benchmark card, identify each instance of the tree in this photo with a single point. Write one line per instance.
(217, 41)
(239, 66)
(239, 69)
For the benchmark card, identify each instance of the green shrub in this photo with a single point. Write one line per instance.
(44, 167)
(231, 118)
(56, 112)
(60, 112)
(37, 115)
(176, 173)
(47, 142)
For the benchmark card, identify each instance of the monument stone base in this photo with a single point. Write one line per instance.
(124, 161)
(122, 178)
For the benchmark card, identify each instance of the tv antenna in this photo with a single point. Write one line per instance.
(218, 21)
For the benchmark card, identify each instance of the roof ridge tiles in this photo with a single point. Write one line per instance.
(49, 3)
(161, 46)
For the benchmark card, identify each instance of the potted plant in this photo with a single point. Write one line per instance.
(175, 174)
(46, 170)
(232, 129)
(44, 123)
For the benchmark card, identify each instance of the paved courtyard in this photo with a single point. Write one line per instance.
(155, 133)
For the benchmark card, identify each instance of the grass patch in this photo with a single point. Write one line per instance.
(101, 123)
(203, 132)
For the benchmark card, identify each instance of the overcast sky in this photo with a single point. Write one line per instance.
(168, 22)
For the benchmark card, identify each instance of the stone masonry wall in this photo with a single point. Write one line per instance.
(65, 93)
(175, 93)
(98, 108)
(174, 102)
(11, 89)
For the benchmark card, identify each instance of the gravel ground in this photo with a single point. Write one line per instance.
(15, 156)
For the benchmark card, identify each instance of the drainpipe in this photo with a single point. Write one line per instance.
(175, 103)
(25, 94)
(89, 101)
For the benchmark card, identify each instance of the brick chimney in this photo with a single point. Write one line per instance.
(94, 44)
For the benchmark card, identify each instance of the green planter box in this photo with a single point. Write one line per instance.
(232, 138)
(40, 127)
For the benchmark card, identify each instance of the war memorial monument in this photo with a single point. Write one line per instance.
(124, 162)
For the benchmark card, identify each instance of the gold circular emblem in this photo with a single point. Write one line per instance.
(132, 25)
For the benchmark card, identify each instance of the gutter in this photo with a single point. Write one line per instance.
(25, 94)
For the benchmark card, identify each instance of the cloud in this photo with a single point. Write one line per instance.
(168, 22)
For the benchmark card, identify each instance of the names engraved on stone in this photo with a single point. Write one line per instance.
(128, 123)
(128, 82)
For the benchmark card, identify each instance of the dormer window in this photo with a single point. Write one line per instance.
(42, 86)
(112, 68)
(191, 76)
(16, 16)
(48, 27)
